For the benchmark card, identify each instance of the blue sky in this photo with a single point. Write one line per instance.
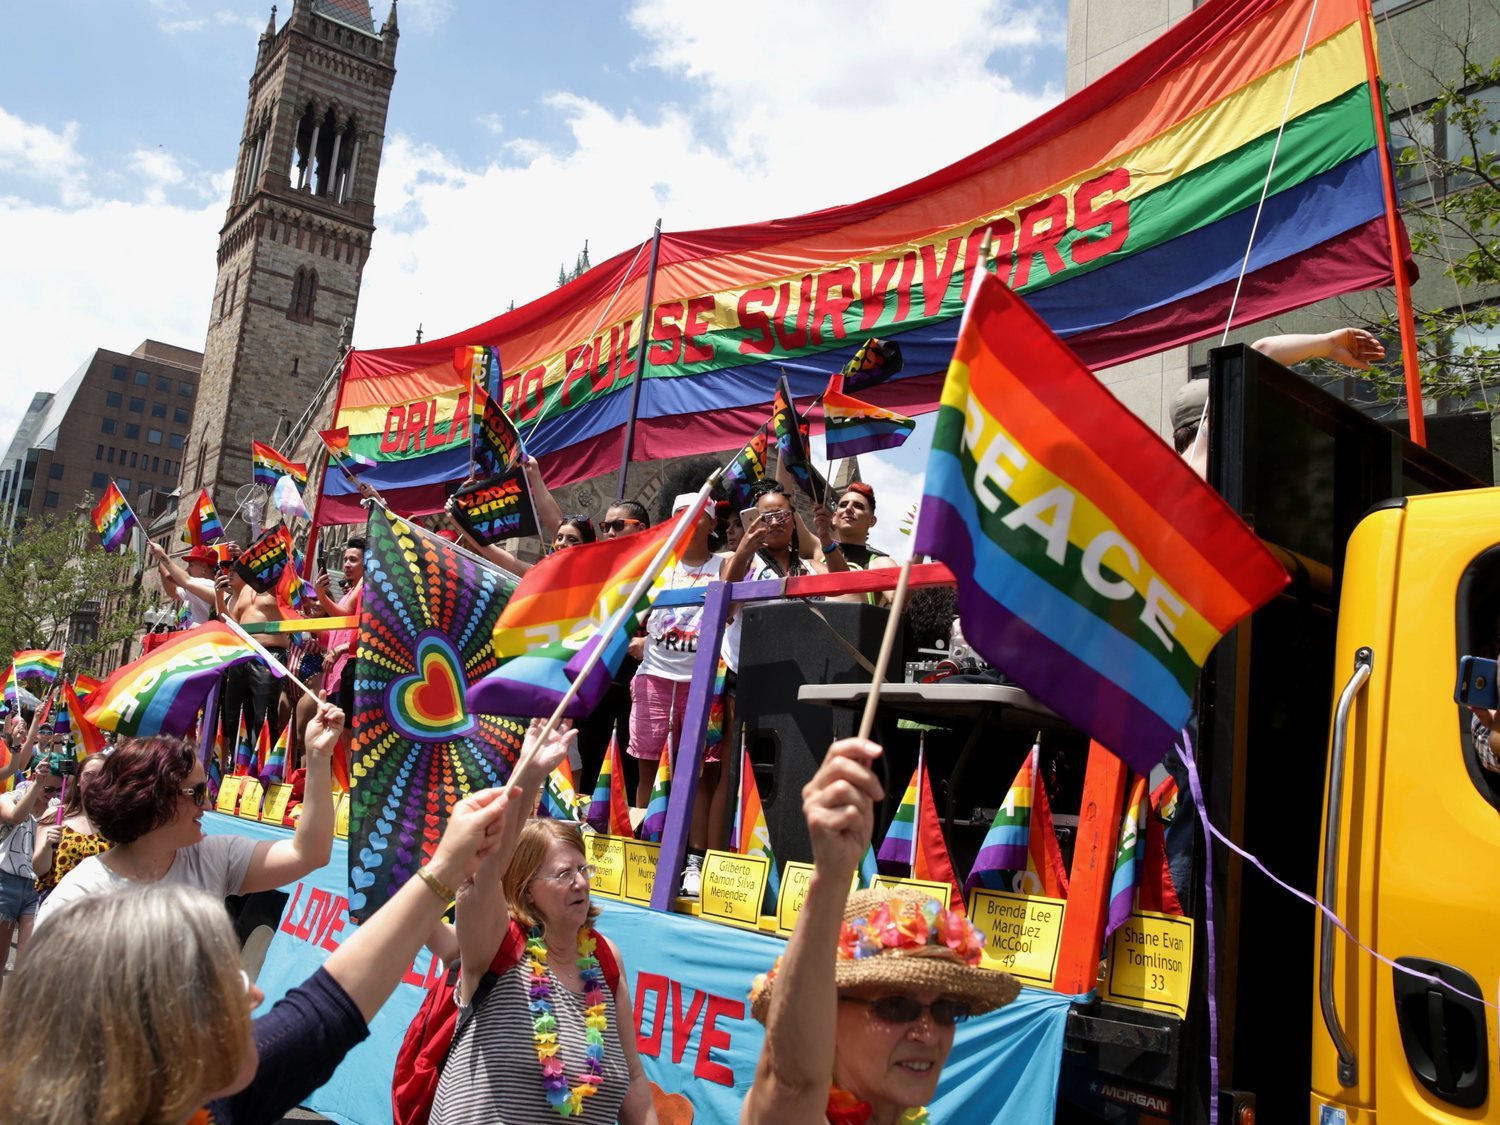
(516, 131)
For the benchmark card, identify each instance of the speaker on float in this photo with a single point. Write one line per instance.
(783, 646)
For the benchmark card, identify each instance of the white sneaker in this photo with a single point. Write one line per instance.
(692, 881)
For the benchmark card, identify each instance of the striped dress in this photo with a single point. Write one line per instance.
(492, 1076)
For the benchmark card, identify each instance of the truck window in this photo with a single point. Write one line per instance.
(1478, 634)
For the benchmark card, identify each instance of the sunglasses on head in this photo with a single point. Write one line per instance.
(903, 1009)
(576, 517)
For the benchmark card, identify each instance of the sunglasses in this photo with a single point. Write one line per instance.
(776, 518)
(614, 527)
(199, 793)
(903, 1009)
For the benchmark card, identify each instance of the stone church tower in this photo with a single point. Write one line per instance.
(296, 237)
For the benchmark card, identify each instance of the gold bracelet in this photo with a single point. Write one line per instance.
(436, 885)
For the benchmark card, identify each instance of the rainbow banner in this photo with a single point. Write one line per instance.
(113, 518)
(1094, 567)
(163, 691)
(38, 664)
(1122, 215)
(202, 524)
(554, 619)
(426, 618)
(268, 466)
(852, 427)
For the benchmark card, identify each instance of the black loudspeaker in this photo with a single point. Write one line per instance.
(783, 646)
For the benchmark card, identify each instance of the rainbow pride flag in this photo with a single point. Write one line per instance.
(85, 685)
(559, 798)
(1128, 867)
(914, 841)
(495, 442)
(269, 466)
(163, 691)
(554, 619)
(86, 737)
(1122, 215)
(852, 427)
(337, 443)
(245, 756)
(38, 664)
(1020, 851)
(661, 796)
(745, 468)
(202, 525)
(273, 765)
(113, 518)
(11, 685)
(609, 811)
(1094, 566)
(752, 836)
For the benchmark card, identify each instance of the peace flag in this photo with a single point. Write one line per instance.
(113, 518)
(559, 799)
(268, 466)
(1093, 565)
(852, 427)
(163, 691)
(202, 525)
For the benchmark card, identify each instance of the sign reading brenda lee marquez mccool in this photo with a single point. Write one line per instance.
(1151, 963)
(1022, 933)
(734, 886)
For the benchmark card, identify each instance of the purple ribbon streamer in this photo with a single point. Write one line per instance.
(1196, 785)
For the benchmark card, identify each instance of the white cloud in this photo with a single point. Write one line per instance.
(491, 123)
(159, 170)
(49, 158)
(423, 15)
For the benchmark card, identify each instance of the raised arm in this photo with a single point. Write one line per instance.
(549, 516)
(201, 588)
(277, 863)
(483, 914)
(796, 1062)
(1352, 347)
(16, 807)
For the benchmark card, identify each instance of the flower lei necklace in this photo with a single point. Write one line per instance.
(567, 1101)
(846, 1109)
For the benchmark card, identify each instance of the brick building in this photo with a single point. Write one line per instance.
(121, 416)
(296, 236)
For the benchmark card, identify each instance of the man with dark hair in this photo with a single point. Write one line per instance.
(341, 642)
(624, 517)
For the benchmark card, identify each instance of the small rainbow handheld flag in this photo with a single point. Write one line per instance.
(38, 664)
(1127, 875)
(113, 518)
(1021, 840)
(1093, 565)
(350, 462)
(202, 524)
(268, 466)
(244, 752)
(496, 444)
(661, 794)
(852, 427)
(791, 443)
(262, 563)
(874, 363)
(86, 735)
(163, 691)
(84, 684)
(559, 797)
(751, 834)
(273, 765)
(914, 839)
(11, 686)
(747, 467)
(609, 812)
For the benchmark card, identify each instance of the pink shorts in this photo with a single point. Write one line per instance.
(657, 705)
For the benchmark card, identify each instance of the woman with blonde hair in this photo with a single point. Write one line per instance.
(541, 1032)
(157, 1025)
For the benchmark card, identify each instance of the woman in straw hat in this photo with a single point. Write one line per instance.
(866, 1042)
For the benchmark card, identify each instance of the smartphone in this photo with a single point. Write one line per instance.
(1476, 683)
(748, 516)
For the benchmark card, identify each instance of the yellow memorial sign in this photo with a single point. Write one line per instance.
(734, 886)
(1151, 963)
(941, 891)
(277, 797)
(250, 797)
(794, 880)
(607, 854)
(229, 795)
(341, 817)
(1022, 933)
(640, 871)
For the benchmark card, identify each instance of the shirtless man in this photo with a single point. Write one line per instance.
(249, 688)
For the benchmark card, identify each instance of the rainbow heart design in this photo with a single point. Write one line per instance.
(428, 705)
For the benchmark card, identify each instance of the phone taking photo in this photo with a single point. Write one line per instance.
(1476, 683)
(748, 516)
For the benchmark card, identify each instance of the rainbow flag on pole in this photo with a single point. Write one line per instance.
(38, 664)
(852, 427)
(747, 467)
(914, 840)
(1021, 840)
(752, 836)
(244, 752)
(1094, 566)
(86, 737)
(113, 518)
(661, 794)
(1128, 867)
(85, 685)
(609, 811)
(268, 466)
(202, 524)
(273, 765)
(496, 443)
(163, 691)
(560, 799)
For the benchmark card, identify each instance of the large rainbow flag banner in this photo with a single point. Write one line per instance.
(1094, 566)
(39, 663)
(113, 518)
(1123, 216)
(269, 466)
(163, 691)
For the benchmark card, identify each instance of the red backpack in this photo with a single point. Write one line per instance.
(434, 1029)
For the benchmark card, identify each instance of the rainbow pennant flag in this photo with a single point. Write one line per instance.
(746, 467)
(1020, 851)
(86, 737)
(1128, 867)
(495, 441)
(914, 841)
(269, 466)
(202, 524)
(272, 766)
(571, 595)
(245, 753)
(38, 664)
(609, 811)
(163, 691)
(852, 427)
(661, 794)
(752, 836)
(113, 518)
(1122, 215)
(1093, 565)
(559, 798)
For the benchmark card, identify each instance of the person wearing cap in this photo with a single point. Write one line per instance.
(195, 584)
(867, 1041)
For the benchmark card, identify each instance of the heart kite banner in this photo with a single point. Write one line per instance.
(424, 635)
